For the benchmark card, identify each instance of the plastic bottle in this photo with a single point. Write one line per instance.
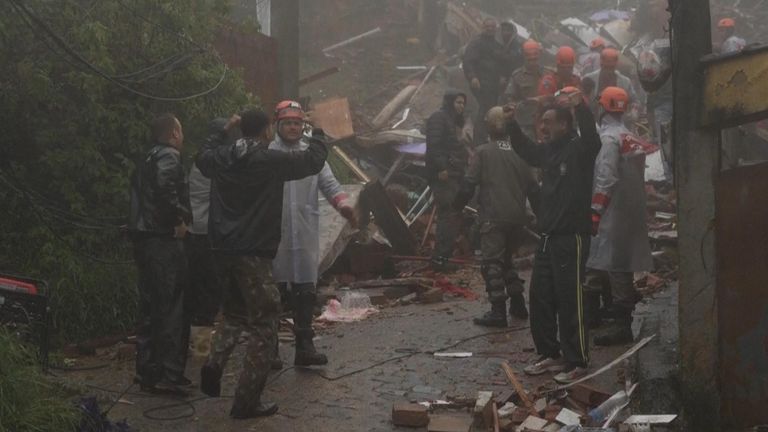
(600, 414)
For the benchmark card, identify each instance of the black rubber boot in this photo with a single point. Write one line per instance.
(210, 380)
(306, 354)
(497, 317)
(517, 307)
(252, 410)
(620, 332)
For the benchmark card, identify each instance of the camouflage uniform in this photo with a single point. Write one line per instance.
(252, 304)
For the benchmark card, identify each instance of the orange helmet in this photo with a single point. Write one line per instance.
(597, 42)
(609, 57)
(531, 49)
(726, 23)
(288, 109)
(614, 99)
(566, 56)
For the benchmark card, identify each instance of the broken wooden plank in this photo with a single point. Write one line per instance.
(351, 40)
(388, 218)
(333, 115)
(393, 106)
(378, 283)
(335, 231)
(496, 424)
(519, 388)
(359, 173)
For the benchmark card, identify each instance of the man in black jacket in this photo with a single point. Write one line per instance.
(486, 66)
(564, 221)
(446, 161)
(160, 213)
(244, 229)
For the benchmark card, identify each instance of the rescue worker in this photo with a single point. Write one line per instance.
(485, 66)
(244, 229)
(505, 182)
(204, 296)
(297, 259)
(731, 42)
(567, 160)
(590, 61)
(620, 245)
(523, 88)
(446, 163)
(551, 82)
(609, 76)
(513, 48)
(160, 214)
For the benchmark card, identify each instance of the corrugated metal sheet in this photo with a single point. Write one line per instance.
(256, 56)
(742, 294)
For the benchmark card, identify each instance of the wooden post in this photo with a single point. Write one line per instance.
(285, 28)
(696, 156)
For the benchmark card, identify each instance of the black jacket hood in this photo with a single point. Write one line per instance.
(448, 99)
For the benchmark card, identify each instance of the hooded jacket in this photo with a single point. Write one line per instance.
(247, 190)
(444, 150)
(159, 194)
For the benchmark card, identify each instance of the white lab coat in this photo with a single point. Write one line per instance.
(298, 254)
(621, 244)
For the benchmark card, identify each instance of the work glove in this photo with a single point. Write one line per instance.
(595, 223)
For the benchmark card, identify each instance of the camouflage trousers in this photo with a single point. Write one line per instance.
(251, 303)
(499, 242)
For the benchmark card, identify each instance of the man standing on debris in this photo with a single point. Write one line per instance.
(160, 214)
(590, 61)
(523, 88)
(513, 47)
(567, 160)
(485, 66)
(609, 76)
(297, 260)
(564, 77)
(731, 42)
(620, 246)
(244, 229)
(505, 182)
(446, 161)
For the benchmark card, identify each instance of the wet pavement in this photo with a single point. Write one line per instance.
(373, 363)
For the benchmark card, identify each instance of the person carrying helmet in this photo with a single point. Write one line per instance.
(731, 42)
(446, 161)
(485, 65)
(523, 88)
(608, 76)
(505, 182)
(551, 82)
(244, 230)
(620, 245)
(295, 267)
(590, 61)
(567, 160)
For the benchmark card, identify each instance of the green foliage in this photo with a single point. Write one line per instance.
(68, 138)
(29, 403)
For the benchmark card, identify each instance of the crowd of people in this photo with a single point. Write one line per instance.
(553, 156)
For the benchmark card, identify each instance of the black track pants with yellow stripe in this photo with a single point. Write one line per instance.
(556, 298)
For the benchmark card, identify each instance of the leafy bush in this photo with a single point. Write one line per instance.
(29, 403)
(72, 125)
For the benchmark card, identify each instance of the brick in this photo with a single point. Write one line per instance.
(411, 415)
(433, 295)
(447, 423)
(551, 412)
(484, 408)
(588, 395)
(519, 415)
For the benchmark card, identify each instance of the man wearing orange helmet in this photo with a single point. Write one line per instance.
(295, 267)
(551, 82)
(608, 76)
(590, 61)
(620, 244)
(731, 42)
(523, 88)
(244, 230)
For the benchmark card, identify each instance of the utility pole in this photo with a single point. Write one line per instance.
(696, 157)
(285, 28)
